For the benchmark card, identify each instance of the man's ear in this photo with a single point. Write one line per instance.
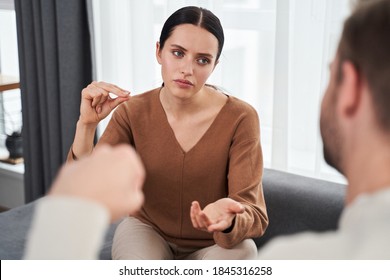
(350, 90)
(158, 52)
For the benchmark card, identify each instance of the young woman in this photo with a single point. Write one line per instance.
(200, 148)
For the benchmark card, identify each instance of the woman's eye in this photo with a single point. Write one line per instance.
(203, 61)
(178, 53)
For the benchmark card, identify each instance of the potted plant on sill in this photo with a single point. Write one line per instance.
(14, 144)
(14, 141)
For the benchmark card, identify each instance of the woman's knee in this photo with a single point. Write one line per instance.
(247, 250)
(135, 240)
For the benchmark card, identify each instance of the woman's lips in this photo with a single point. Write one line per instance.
(183, 83)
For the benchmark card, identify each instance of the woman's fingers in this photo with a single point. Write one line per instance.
(219, 226)
(236, 208)
(112, 88)
(103, 98)
(194, 211)
(99, 92)
(96, 100)
(203, 221)
(98, 96)
(93, 93)
(115, 102)
(198, 218)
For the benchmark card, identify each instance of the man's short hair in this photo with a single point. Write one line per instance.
(365, 42)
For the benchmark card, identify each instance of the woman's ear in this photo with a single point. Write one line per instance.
(158, 52)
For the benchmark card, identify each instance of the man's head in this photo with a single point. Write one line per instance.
(361, 66)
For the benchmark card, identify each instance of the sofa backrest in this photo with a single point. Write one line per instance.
(296, 203)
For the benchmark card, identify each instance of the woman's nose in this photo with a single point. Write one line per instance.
(187, 67)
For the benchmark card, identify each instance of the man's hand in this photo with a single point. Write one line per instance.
(111, 176)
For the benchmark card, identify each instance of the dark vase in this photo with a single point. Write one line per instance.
(14, 144)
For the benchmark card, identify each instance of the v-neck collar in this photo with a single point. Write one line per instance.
(210, 128)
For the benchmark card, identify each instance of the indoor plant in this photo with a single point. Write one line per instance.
(14, 144)
(14, 141)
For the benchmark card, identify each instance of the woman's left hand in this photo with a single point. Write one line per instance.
(216, 216)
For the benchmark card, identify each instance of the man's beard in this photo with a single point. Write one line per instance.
(331, 137)
(332, 158)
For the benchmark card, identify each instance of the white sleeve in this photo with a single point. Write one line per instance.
(66, 228)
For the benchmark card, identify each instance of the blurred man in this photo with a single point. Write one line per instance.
(71, 221)
(355, 127)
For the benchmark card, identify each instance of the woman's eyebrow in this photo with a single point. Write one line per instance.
(179, 47)
(185, 50)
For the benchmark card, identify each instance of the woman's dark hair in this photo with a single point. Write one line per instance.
(197, 16)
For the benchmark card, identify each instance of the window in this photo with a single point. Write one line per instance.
(10, 102)
(275, 57)
(6, 4)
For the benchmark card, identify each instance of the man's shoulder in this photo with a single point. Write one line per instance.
(304, 246)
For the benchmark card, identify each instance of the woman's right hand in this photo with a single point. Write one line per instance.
(96, 103)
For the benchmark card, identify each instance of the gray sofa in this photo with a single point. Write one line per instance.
(295, 203)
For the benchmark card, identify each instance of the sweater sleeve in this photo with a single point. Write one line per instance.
(245, 182)
(118, 130)
(66, 228)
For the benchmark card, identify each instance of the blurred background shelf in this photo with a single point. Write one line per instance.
(8, 82)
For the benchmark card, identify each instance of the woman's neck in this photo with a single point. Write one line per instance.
(180, 107)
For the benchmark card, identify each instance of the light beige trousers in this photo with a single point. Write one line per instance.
(135, 240)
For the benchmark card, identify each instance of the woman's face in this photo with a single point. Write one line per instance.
(187, 59)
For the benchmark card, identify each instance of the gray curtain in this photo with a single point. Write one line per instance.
(55, 65)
